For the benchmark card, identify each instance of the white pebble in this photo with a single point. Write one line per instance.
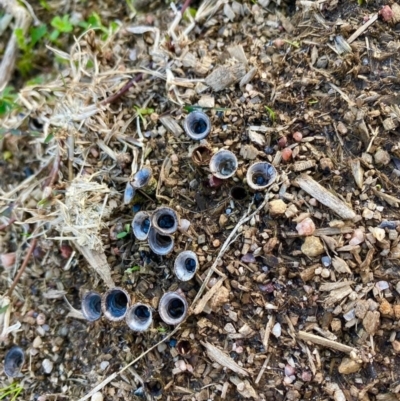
(97, 397)
(162, 347)
(277, 330)
(104, 365)
(382, 285)
(47, 365)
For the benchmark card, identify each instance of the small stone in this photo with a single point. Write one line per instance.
(37, 342)
(371, 322)
(396, 346)
(367, 214)
(326, 164)
(104, 365)
(326, 261)
(336, 325)
(358, 237)
(277, 207)
(97, 397)
(223, 219)
(229, 328)
(216, 243)
(348, 366)
(201, 239)
(297, 136)
(161, 347)
(286, 154)
(382, 157)
(41, 319)
(282, 142)
(306, 227)
(386, 308)
(396, 310)
(248, 258)
(248, 152)
(361, 308)
(386, 13)
(277, 330)
(7, 259)
(325, 273)
(47, 365)
(312, 247)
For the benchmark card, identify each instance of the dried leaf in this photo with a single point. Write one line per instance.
(220, 357)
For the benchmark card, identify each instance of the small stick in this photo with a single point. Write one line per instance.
(5, 225)
(123, 90)
(23, 267)
(362, 28)
(114, 375)
(303, 335)
(264, 366)
(245, 218)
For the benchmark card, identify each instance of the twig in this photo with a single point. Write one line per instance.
(246, 217)
(123, 90)
(114, 375)
(362, 28)
(23, 266)
(5, 225)
(303, 335)
(264, 366)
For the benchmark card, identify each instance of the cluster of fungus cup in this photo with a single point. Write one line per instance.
(115, 306)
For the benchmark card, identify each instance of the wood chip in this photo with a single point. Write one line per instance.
(317, 191)
(225, 76)
(223, 359)
(244, 388)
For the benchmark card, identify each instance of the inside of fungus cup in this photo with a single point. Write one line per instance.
(190, 265)
(117, 303)
(176, 308)
(142, 312)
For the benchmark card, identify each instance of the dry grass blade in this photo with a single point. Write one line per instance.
(224, 360)
(308, 184)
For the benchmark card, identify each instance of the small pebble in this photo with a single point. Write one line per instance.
(289, 370)
(47, 365)
(382, 157)
(306, 227)
(282, 142)
(97, 397)
(162, 347)
(286, 154)
(386, 13)
(216, 243)
(358, 237)
(306, 376)
(382, 285)
(325, 273)
(297, 136)
(228, 211)
(104, 365)
(326, 261)
(268, 150)
(41, 319)
(37, 342)
(277, 330)
(248, 258)
(7, 259)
